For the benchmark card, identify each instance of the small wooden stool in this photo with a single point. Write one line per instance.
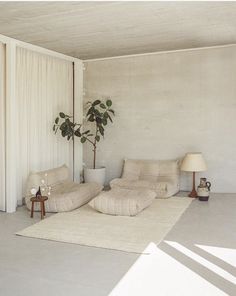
(40, 199)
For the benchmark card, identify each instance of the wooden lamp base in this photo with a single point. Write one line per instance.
(193, 193)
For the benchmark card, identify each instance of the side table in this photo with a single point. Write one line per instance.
(41, 200)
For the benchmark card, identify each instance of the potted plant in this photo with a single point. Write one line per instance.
(98, 114)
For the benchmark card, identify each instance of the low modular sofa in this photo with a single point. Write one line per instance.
(65, 194)
(161, 176)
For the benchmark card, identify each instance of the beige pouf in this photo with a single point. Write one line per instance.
(123, 202)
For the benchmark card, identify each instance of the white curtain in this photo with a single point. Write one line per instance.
(44, 87)
(2, 125)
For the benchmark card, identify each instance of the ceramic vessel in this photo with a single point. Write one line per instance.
(203, 190)
(95, 175)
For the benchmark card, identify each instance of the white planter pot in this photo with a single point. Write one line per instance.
(95, 175)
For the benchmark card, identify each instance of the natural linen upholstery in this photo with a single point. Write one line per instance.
(161, 176)
(123, 202)
(65, 194)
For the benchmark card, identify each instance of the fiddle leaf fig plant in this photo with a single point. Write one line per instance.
(98, 115)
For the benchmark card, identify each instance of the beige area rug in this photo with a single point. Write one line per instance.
(85, 226)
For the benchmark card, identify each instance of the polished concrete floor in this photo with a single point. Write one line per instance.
(197, 257)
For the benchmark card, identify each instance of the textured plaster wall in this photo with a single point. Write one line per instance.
(166, 105)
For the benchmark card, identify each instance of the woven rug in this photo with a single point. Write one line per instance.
(85, 226)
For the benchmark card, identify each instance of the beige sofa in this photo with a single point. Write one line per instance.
(161, 176)
(65, 195)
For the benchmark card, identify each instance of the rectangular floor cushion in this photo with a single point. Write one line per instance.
(123, 202)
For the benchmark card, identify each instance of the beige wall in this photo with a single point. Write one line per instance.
(166, 105)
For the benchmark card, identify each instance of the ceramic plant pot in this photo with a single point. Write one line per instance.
(95, 175)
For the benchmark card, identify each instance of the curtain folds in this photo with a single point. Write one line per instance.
(2, 124)
(44, 87)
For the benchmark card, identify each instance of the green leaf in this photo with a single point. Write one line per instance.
(101, 130)
(63, 126)
(108, 103)
(91, 118)
(102, 106)
(68, 138)
(112, 111)
(54, 128)
(90, 111)
(77, 133)
(97, 138)
(57, 120)
(86, 132)
(83, 140)
(63, 133)
(104, 121)
(110, 118)
(96, 102)
(98, 120)
(62, 115)
(105, 115)
(97, 113)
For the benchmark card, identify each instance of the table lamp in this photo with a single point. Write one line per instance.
(193, 162)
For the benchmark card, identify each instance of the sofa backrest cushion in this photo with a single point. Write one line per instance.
(52, 177)
(150, 170)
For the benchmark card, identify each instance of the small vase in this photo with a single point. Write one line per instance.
(203, 190)
(38, 193)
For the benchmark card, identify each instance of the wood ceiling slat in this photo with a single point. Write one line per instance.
(102, 29)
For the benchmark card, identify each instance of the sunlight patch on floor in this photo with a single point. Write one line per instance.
(160, 274)
(211, 266)
(226, 254)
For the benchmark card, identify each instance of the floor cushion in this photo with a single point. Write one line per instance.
(123, 202)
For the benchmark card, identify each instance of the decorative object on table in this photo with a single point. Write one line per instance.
(46, 189)
(41, 200)
(98, 114)
(193, 162)
(38, 193)
(33, 191)
(203, 190)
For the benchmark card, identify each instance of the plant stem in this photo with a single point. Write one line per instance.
(90, 141)
(94, 157)
(95, 148)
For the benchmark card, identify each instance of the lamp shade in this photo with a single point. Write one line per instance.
(193, 162)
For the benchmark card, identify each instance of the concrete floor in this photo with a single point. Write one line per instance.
(38, 267)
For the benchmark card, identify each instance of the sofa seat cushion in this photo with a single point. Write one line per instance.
(68, 196)
(163, 189)
(123, 202)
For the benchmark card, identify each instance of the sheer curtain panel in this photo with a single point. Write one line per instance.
(2, 125)
(44, 87)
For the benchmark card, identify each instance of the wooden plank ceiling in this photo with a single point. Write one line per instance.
(103, 29)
